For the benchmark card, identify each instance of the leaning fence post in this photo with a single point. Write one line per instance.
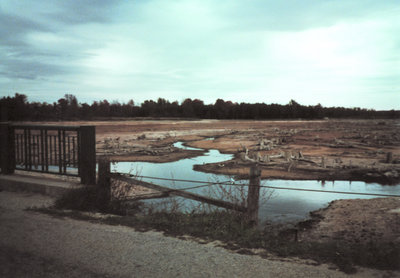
(7, 149)
(253, 195)
(87, 153)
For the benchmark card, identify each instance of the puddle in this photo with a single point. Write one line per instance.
(282, 206)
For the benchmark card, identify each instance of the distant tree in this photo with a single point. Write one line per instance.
(115, 109)
(85, 111)
(223, 109)
(293, 109)
(198, 108)
(318, 111)
(73, 107)
(128, 109)
(162, 107)
(104, 108)
(62, 106)
(19, 108)
(175, 109)
(187, 108)
(149, 108)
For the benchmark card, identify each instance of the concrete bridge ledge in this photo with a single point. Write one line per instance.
(43, 185)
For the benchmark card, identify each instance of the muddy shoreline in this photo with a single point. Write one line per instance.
(359, 221)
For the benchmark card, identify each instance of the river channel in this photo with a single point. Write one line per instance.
(276, 205)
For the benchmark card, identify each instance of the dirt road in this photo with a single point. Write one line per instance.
(37, 245)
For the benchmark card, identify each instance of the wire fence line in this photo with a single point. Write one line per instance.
(231, 182)
(331, 191)
(179, 180)
(202, 183)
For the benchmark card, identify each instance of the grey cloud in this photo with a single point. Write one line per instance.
(81, 12)
(23, 69)
(13, 29)
(295, 15)
(20, 59)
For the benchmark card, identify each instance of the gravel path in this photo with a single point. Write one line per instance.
(37, 245)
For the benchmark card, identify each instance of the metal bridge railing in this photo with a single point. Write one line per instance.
(64, 150)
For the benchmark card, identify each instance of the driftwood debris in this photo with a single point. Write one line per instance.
(114, 147)
(265, 144)
(288, 156)
(267, 159)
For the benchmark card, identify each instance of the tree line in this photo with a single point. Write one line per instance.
(68, 108)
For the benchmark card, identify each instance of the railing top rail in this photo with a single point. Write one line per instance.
(46, 127)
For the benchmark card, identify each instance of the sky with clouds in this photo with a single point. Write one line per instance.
(336, 53)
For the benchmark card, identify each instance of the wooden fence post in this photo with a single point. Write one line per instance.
(87, 153)
(7, 161)
(104, 172)
(253, 195)
(104, 180)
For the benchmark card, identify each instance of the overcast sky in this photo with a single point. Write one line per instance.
(336, 53)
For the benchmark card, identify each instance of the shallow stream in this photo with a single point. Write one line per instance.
(283, 206)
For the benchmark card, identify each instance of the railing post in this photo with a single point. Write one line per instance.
(7, 148)
(253, 195)
(87, 153)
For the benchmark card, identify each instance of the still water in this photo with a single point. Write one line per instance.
(276, 205)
